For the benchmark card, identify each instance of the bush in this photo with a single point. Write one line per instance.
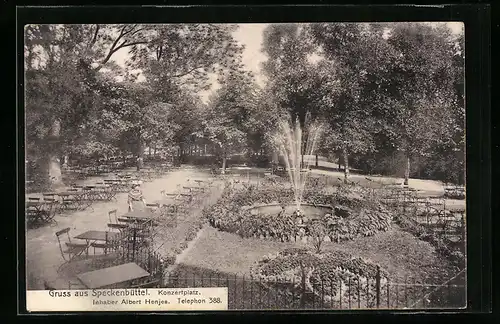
(169, 260)
(455, 257)
(324, 272)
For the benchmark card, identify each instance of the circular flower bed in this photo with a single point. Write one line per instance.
(335, 276)
(351, 216)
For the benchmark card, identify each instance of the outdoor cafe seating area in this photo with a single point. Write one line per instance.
(125, 254)
(42, 208)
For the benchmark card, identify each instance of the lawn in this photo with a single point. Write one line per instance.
(221, 259)
(399, 253)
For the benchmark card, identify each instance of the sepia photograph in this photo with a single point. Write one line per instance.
(253, 166)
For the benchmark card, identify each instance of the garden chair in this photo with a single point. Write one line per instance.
(72, 250)
(125, 220)
(52, 209)
(155, 209)
(174, 196)
(105, 246)
(69, 203)
(49, 195)
(119, 227)
(112, 216)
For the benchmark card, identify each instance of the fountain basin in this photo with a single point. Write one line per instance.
(309, 210)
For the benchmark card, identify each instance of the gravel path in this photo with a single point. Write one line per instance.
(43, 255)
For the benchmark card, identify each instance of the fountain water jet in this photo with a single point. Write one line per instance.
(291, 147)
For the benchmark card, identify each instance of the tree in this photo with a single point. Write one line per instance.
(146, 120)
(187, 54)
(182, 60)
(62, 65)
(227, 115)
(394, 82)
(351, 55)
(293, 77)
(423, 89)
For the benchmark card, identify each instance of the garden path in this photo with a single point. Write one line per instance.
(42, 250)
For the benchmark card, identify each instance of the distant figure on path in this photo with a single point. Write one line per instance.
(139, 163)
(136, 199)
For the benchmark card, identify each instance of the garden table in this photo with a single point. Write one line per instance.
(74, 199)
(172, 204)
(106, 191)
(200, 182)
(34, 211)
(97, 236)
(112, 276)
(40, 211)
(140, 214)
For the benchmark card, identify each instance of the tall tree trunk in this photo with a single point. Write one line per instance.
(181, 151)
(205, 149)
(140, 150)
(317, 160)
(51, 165)
(346, 164)
(407, 171)
(302, 162)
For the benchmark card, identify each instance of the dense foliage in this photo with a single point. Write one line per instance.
(324, 274)
(375, 86)
(454, 252)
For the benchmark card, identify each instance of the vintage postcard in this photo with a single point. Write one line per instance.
(279, 166)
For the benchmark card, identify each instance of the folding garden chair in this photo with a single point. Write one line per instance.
(112, 216)
(51, 210)
(68, 203)
(72, 250)
(120, 227)
(49, 195)
(107, 245)
(155, 209)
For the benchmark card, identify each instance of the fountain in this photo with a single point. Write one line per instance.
(291, 147)
(289, 141)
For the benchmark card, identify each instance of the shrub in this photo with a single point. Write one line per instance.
(455, 257)
(326, 273)
(169, 260)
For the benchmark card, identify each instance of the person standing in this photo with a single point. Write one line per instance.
(139, 162)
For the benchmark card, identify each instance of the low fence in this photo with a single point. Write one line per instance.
(246, 292)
